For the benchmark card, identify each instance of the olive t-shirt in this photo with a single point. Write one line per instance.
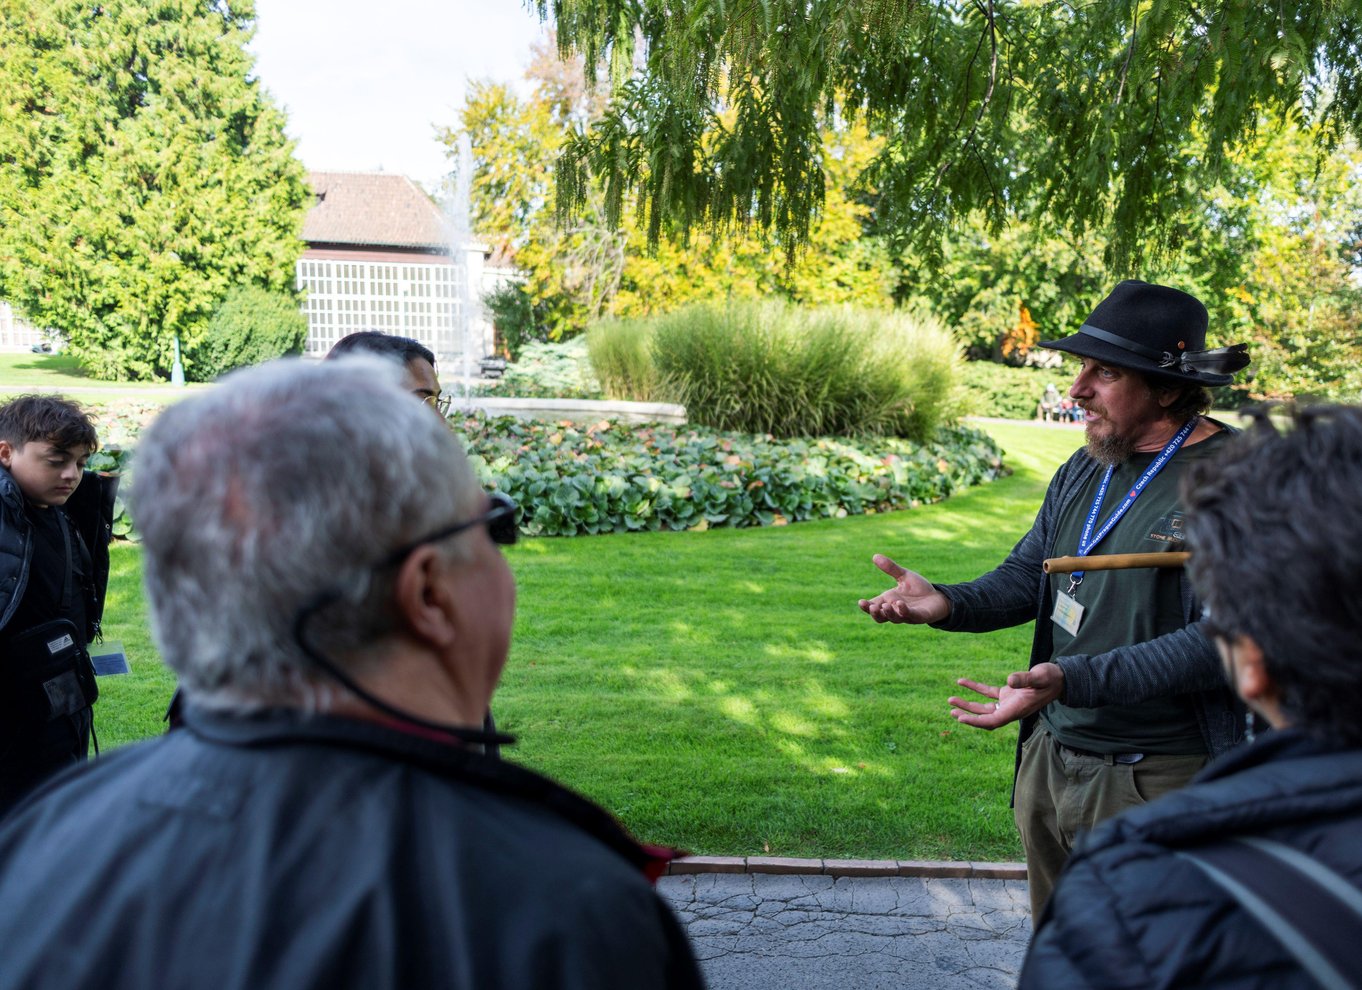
(1125, 607)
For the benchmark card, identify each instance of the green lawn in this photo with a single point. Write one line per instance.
(21, 373)
(721, 690)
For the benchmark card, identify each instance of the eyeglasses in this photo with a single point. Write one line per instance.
(501, 527)
(440, 403)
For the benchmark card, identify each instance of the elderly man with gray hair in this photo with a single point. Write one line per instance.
(323, 575)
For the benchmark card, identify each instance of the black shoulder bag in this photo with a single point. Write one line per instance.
(47, 673)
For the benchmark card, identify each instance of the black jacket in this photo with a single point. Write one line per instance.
(1127, 913)
(285, 851)
(90, 510)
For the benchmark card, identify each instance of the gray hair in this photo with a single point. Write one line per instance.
(283, 482)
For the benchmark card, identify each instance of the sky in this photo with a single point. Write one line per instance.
(364, 83)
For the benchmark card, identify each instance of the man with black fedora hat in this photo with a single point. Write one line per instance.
(1124, 699)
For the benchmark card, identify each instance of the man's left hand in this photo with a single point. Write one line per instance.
(1025, 692)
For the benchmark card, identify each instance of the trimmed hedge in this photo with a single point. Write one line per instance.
(1007, 392)
(613, 477)
(251, 325)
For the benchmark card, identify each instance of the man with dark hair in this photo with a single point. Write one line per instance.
(54, 568)
(326, 816)
(1276, 545)
(418, 378)
(417, 359)
(1123, 701)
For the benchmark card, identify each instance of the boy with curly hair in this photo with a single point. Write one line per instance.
(55, 526)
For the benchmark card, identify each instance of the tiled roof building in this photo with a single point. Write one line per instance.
(378, 258)
(375, 209)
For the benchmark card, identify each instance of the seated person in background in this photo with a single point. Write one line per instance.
(1050, 403)
(54, 568)
(323, 574)
(1276, 546)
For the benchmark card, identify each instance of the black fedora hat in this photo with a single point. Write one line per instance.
(1157, 330)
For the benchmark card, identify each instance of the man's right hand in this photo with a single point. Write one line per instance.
(912, 599)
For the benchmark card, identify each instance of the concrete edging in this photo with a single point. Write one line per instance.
(847, 867)
(578, 410)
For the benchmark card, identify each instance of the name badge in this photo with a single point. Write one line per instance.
(108, 658)
(1068, 614)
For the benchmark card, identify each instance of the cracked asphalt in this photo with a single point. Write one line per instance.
(776, 932)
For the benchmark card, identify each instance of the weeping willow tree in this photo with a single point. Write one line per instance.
(1082, 112)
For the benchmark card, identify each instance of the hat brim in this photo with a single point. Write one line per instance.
(1085, 345)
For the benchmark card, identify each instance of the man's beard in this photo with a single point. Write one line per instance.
(1110, 449)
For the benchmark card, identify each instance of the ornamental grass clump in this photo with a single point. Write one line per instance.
(785, 370)
(622, 360)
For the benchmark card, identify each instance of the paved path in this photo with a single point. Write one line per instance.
(769, 932)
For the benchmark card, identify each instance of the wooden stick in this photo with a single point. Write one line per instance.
(1113, 562)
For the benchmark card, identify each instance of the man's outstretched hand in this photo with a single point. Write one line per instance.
(912, 599)
(1025, 692)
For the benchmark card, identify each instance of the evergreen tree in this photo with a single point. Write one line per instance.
(143, 172)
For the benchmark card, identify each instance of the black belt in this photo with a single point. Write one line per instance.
(1124, 758)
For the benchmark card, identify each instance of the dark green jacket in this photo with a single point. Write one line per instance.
(1018, 591)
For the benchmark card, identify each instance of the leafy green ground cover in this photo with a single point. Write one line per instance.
(721, 691)
(614, 477)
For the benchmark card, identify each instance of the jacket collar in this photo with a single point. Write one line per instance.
(276, 727)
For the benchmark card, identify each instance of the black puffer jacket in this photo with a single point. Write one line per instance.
(90, 510)
(1128, 913)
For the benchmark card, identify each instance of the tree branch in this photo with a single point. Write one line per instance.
(1130, 55)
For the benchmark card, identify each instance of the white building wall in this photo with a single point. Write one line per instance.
(15, 334)
(411, 298)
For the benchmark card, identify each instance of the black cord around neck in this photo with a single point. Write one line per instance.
(461, 733)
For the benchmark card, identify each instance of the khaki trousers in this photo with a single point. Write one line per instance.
(1061, 794)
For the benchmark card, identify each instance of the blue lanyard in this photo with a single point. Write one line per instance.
(1088, 540)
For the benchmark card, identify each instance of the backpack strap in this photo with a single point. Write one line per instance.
(70, 561)
(1313, 912)
(86, 670)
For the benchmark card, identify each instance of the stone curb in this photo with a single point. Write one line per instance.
(847, 867)
(578, 410)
